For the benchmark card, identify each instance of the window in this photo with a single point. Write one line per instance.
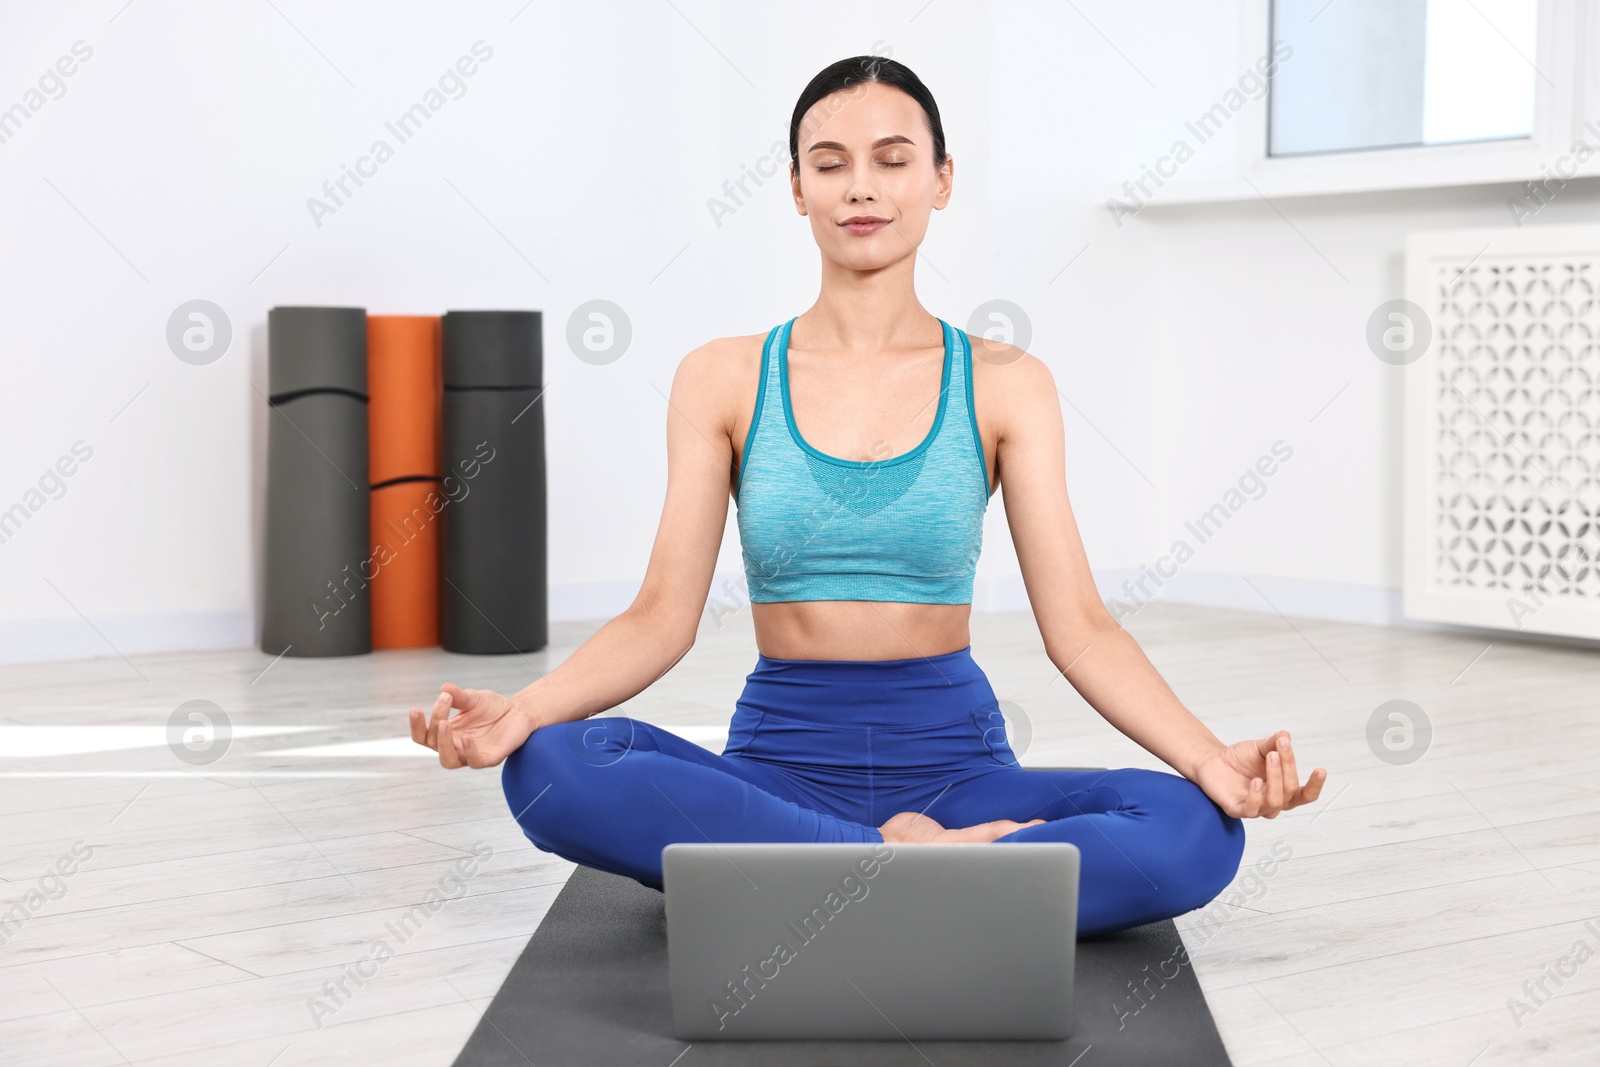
(1388, 73)
(1367, 95)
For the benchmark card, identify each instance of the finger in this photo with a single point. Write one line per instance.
(469, 748)
(448, 756)
(1274, 776)
(1314, 784)
(465, 699)
(1267, 745)
(1291, 776)
(420, 728)
(1252, 803)
(452, 734)
(438, 713)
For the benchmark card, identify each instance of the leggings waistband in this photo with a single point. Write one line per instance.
(919, 691)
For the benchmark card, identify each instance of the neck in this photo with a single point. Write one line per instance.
(867, 312)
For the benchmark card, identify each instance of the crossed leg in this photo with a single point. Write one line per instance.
(612, 792)
(1152, 845)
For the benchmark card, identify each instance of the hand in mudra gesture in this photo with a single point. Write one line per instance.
(489, 728)
(1257, 778)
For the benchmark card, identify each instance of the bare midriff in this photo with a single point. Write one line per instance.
(859, 629)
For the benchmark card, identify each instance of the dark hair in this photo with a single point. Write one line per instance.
(857, 70)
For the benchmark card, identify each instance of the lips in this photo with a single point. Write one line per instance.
(864, 224)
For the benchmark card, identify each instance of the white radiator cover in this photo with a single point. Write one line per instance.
(1502, 430)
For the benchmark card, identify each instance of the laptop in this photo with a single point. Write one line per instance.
(871, 941)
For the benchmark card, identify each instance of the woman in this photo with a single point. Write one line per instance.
(853, 439)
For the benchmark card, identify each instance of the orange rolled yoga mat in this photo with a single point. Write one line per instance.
(405, 387)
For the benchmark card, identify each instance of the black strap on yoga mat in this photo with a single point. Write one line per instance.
(591, 989)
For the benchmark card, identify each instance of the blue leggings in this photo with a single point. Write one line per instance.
(828, 750)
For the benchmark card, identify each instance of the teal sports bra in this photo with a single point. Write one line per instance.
(906, 528)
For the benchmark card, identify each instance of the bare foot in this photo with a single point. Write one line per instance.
(914, 828)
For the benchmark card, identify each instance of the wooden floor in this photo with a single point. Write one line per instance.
(261, 909)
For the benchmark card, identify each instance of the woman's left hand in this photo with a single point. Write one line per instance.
(1257, 778)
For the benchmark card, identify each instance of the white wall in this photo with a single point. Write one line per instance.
(1197, 336)
(178, 163)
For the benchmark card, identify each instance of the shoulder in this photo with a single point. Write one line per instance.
(724, 357)
(720, 373)
(723, 365)
(1010, 376)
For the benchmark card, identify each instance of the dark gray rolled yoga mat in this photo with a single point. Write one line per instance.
(318, 511)
(591, 989)
(493, 593)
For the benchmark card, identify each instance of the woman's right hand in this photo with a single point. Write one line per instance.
(489, 728)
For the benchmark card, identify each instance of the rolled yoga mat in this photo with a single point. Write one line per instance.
(316, 601)
(493, 593)
(591, 988)
(403, 413)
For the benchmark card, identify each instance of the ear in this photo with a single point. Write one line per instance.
(794, 189)
(946, 181)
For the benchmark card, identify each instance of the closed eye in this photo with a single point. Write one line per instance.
(899, 163)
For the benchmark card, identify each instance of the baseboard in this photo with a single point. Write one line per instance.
(1307, 598)
(39, 640)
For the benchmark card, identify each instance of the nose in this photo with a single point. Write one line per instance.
(861, 188)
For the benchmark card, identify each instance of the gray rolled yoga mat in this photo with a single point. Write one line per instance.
(318, 511)
(591, 989)
(493, 591)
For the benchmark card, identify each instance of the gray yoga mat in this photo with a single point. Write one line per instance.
(493, 596)
(318, 517)
(591, 989)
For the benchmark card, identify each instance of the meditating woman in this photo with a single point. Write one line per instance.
(861, 442)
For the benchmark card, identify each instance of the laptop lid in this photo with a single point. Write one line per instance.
(871, 941)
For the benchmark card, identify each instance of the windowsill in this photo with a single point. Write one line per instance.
(1384, 170)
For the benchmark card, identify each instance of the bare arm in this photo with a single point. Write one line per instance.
(1250, 778)
(1101, 659)
(640, 645)
(632, 650)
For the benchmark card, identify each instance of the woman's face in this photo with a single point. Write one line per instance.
(866, 152)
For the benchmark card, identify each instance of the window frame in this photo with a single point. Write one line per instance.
(1568, 52)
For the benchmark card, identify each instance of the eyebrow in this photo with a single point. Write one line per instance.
(894, 138)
